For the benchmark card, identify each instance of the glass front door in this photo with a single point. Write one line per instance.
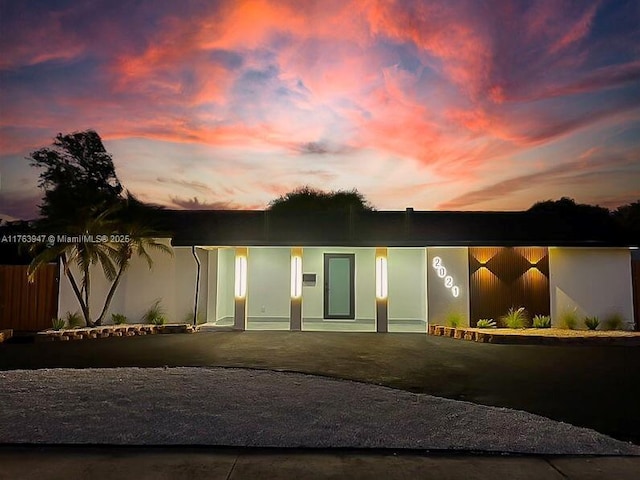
(339, 298)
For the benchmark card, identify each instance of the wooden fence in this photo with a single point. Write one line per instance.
(28, 306)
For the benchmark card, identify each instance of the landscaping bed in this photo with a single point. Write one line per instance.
(538, 336)
(106, 331)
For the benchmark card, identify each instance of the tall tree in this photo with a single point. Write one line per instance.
(568, 206)
(82, 195)
(307, 199)
(629, 217)
(78, 175)
(98, 247)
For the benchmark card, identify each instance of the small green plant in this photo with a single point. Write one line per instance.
(569, 319)
(454, 319)
(614, 321)
(515, 318)
(155, 314)
(542, 321)
(486, 323)
(74, 320)
(58, 323)
(118, 319)
(591, 322)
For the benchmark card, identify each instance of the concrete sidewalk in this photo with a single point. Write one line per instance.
(70, 463)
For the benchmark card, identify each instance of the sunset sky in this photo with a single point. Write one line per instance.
(436, 105)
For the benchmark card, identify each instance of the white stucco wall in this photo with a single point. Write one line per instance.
(407, 283)
(269, 282)
(225, 282)
(594, 281)
(365, 281)
(212, 286)
(171, 280)
(440, 301)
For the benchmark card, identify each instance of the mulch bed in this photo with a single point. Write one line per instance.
(537, 336)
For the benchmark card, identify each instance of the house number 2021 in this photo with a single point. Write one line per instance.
(441, 271)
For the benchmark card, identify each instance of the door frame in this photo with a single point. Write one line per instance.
(352, 299)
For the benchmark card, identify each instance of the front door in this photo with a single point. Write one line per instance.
(339, 298)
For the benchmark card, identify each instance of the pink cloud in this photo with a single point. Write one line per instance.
(588, 168)
(439, 91)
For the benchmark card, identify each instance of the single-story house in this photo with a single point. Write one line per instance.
(381, 271)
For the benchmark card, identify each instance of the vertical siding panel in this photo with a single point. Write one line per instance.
(503, 277)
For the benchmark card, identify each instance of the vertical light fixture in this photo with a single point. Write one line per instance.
(382, 291)
(241, 276)
(382, 288)
(296, 276)
(295, 321)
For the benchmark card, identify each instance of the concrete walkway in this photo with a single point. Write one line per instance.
(113, 463)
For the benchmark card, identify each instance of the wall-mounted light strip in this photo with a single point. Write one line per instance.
(382, 281)
(241, 276)
(441, 271)
(296, 276)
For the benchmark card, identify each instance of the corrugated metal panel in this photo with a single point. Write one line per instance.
(500, 278)
(28, 306)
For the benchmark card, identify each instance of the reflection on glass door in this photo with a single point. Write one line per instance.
(339, 298)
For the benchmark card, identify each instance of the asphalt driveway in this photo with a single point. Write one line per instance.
(595, 387)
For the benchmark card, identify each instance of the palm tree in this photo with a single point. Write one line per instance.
(86, 251)
(140, 242)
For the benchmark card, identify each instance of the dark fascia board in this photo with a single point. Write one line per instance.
(394, 228)
(412, 244)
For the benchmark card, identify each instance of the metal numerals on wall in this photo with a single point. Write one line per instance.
(441, 271)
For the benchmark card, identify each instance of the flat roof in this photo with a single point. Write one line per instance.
(390, 228)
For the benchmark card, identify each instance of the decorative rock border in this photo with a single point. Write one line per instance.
(491, 335)
(106, 331)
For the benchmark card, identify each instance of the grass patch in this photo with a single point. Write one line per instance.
(118, 319)
(614, 322)
(486, 323)
(154, 315)
(515, 318)
(569, 319)
(454, 319)
(591, 322)
(541, 321)
(75, 320)
(58, 323)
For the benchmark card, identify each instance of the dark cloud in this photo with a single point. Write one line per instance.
(20, 207)
(576, 171)
(196, 204)
(193, 185)
(321, 148)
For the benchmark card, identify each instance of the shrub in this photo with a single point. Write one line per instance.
(591, 322)
(454, 319)
(58, 323)
(155, 314)
(569, 319)
(614, 321)
(486, 323)
(542, 321)
(515, 318)
(75, 320)
(118, 319)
